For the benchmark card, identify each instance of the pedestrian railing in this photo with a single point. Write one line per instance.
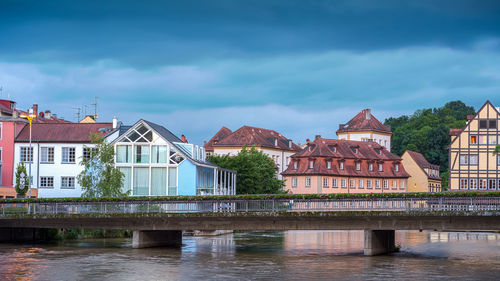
(462, 204)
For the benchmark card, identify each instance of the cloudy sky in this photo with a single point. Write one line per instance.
(299, 67)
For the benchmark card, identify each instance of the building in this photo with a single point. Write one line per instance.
(222, 133)
(345, 166)
(275, 145)
(365, 127)
(424, 177)
(155, 162)
(472, 163)
(57, 149)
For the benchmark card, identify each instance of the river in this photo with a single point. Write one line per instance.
(290, 255)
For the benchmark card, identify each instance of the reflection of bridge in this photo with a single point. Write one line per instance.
(160, 222)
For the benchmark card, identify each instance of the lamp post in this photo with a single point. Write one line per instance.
(30, 116)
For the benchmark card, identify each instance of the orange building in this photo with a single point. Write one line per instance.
(345, 166)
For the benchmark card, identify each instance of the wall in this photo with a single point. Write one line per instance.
(186, 178)
(9, 132)
(418, 181)
(382, 139)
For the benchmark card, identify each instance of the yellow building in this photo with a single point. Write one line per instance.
(472, 163)
(424, 177)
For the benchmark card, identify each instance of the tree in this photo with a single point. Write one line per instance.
(101, 178)
(497, 150)
(22, 179)
(256, 171)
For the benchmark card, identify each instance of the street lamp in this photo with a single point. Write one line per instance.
(30, 116)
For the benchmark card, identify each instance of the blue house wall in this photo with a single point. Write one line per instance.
(187, 178)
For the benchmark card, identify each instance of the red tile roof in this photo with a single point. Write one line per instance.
(247, 135)
(423, 163)
(63, 132)
(350, 152)
(364, 121)
(455, 132)
(222, 133)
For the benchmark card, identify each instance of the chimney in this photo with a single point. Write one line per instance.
(183, 139)
(47, 114)
(115, 122)
(317, 137)
(35, 109)
(368, 114)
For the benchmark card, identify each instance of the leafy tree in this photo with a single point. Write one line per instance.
(256, 171)
(21, 169)
(497, 150)
(101, 178)
(426, 131)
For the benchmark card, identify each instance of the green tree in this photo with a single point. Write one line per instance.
(21, 189)
(256, 171)
(497, 150)
(101, 178)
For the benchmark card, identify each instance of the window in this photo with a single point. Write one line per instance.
(308, 181)
(68, 182)
(361, 184)
(26, 154)
(329, 165)
(369, 184)
(295, 165)
(469, 159)
(492, 184)
(352, 183)
(474, 159)
(123, 154)
(386, 184)
(483, 124)
(334, 182)
(473, 184)
(88, 152)
(483, 184)
(394, 184)
(159, 154)
(294, 182)
(46, 182)
(325, 182)
(473, 139)
(311, 164)
(141, 154)
(358, 166)
(492, 124)
(68, 155)
(487, 124)
(377, 184)
(402, 184)
(46, 154)
(355, 150)
(483, 139)
(380, 167)
(492, 139)
(463, 184)
(370, 167)
(343, 183)
(396, 167)
(498, 159)
(341, 165)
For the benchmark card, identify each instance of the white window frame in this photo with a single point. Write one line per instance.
(44, 182)
(329, 165)
(358, 166)
(361, 183)
(308, 181)
(69, 149)
(343, 183)
(311, 164)
(325, 182)
(380, 167)
(24, 154)
(341, 165)
(369, 184)
(71, 182)
(49, 149)
(352, 183)
(294, 181)
(386, 184)
(334, 183)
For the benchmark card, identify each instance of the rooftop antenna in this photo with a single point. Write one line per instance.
(95, 108)
(78, 110)
(85, 109)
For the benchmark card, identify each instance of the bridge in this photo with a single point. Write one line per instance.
(160, 222)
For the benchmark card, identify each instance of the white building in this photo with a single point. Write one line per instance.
(365, 127)
(56, 152)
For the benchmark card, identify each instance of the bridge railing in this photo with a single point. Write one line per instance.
(464, 204)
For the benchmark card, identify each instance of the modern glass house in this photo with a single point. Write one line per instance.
(155, 162)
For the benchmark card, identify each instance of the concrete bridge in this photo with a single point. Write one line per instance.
(160, 223)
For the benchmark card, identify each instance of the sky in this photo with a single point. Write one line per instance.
(296, 66)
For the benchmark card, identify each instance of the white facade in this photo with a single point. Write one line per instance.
(382, 139)
(51, 175)
(280, 157)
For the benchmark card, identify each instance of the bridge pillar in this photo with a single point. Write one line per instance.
(378, 242)
(156, 238)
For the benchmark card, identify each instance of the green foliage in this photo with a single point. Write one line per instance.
(256, 171)
(100, 177)
(427, 131)
(21, 168)
(497, 150)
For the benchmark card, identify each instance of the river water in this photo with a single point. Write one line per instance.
(290, 255)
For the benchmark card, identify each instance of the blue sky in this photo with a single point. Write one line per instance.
(299, 67)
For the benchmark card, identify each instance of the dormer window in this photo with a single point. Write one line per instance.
(329, 165)
(341, 165)
(396, 167)
(311, 164)
(332, 148)
(358, 166)
(380, 167)
(295, 165)
(370, 167)
(355, 150)
(379, 151)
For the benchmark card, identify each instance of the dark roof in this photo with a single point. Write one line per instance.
(63, 132)
(364, 121)
(455, 132)
(221, 134)
(323, 150)
(423, 163)
(165, 133)
(247, 135)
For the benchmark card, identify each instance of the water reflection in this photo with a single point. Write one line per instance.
(291, 255)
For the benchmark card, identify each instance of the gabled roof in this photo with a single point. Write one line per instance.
(364, 121)
(63, 132)
(470, 120)
(260, 137)
(423, 163)
(221, 134)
